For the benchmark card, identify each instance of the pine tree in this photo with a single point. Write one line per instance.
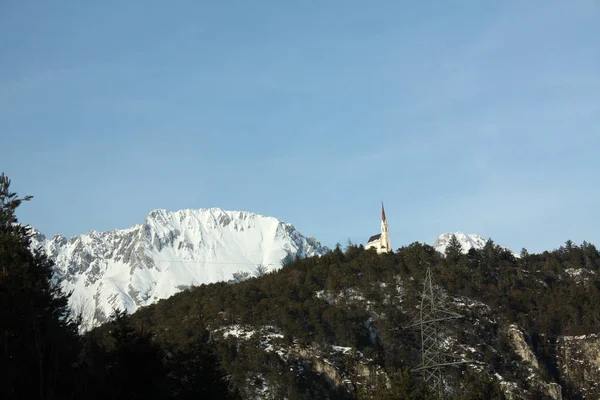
(135, 363)
(260, 270)
(38, 338)
(454, 250)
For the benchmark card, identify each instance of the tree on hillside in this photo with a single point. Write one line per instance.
(454, 250)
(260, 270)
(133, 363)
(38, 338)
(240, 276)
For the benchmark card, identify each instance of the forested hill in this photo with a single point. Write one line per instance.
(334, 326)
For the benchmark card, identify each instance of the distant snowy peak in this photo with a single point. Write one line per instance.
(137, 266)
(467, 241)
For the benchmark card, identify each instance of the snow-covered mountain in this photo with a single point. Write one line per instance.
(130, 268)
(467, 241)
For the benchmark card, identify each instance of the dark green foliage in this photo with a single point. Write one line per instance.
(403, 385)
(195, 370)
(43, 357)
(347, 297)
(321, 300)
(454, 250)
(124, 362)
(133, 365)
(38, 340)
(473, 387)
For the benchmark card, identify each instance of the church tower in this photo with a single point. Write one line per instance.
(385, 236)
(381, 242)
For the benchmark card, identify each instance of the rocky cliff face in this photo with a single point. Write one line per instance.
(578, 359)
(518, 368)
(530, 361)
(129, 268)
(348, 323)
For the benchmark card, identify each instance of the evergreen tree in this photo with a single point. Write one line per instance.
(454, 250)
(195, 370)
(38, 339)
(135, 366)
(260, 270)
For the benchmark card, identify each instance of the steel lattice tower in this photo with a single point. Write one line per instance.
(433, 360)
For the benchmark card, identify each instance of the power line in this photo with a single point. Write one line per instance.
(433, 360)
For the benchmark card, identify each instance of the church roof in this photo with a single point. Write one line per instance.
(374, 237)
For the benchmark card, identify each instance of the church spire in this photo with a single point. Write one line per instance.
(381, 242)
(384, 238)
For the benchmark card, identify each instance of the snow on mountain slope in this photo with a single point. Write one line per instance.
(467, 241)
(133, 267)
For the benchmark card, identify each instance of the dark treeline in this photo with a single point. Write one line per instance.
(169, 349)
(44, 357)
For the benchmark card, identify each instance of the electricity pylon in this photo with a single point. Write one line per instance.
(433, 359)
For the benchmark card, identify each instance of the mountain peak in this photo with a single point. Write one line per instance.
(467, 241)
(133, 267)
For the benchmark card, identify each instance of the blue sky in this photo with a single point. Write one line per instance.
(481, 117)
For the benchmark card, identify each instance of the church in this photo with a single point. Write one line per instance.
(381, 241)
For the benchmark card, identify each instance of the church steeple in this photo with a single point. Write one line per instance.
(384, 239)
(381, 242)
